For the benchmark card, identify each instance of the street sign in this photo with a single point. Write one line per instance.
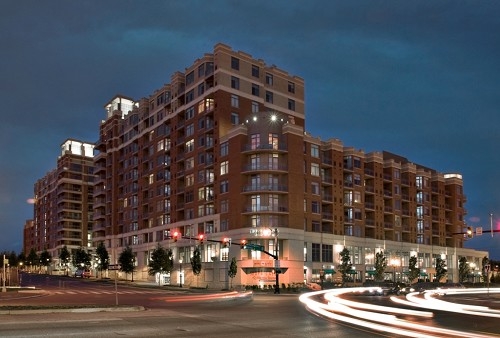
(114, 267)
(255, 247)
(479, 231)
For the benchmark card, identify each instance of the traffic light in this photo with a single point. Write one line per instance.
(201, 237)
(469, 232)
(226, 242)
(243, 243)
(175, 236)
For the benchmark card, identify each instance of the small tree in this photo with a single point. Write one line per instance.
(103, 257)
(81, 258)
(45, 259)
(485, 273)
(127, 261)
(345, 266)
(32, 259)
(441, 270)
(413, 269)
(463, 269)
(65, 258)
(161, 261)
(380, 265)
(233, 270)
(196, 262)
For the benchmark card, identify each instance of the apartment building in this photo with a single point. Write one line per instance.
(222, 151)
(63, 204)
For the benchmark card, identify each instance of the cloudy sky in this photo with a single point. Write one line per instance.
(417, 78)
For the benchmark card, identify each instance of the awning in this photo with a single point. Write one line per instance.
(424, 274)
(371, 273)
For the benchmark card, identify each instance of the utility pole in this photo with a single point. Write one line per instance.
(3, 278)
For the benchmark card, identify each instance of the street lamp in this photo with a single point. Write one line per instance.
(180, 272)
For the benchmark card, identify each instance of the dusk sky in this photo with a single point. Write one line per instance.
(417, 78)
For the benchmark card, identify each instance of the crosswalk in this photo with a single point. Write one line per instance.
(107, 292)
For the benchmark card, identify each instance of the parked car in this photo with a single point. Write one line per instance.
(83, 273)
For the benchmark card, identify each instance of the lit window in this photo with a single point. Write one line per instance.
(224, 168)
(315, 169)
(315, 150)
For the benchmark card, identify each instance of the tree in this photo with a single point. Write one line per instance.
(64, 258)
(103, 256)
(162, 260)
(80, 258)
(32, 259)
(380, 265)
(463, 269)
(45, 258)
(345, 266)
(413, 269)
(127, 261)
(485, 273)
(233, 270)
(441, 270)
(196, 262)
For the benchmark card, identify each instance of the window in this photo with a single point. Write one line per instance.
(189, 129)
(255, 107)
(315, 150)
(291, 104)
(255, 141)
(291, 87)
(235, 63)
(235, 101)
(189, 163)
(315, 169)
(224, 206)
(315, 207)
(224, 149)
(255, 162)
(189, 180)
(255, 71)
(273, 161)
(273, 140)
(255, 203)
(189, 113)
(235, 82)
(224, 186)
(190, 96)
(189, 146)
(190, 78)
(201, 70)
(235, 119)
(269, 96)
(357, 179)
(315, 188)
(224, 168)
(315, 252)
(327, 253)
(255, 89)
(201, 89)
(269, 79)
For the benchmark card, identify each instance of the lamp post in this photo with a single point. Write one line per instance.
(3, 278)
(180, 272)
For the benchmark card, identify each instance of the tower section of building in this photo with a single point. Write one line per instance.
(63, 203)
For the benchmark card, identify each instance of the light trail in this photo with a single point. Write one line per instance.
(385, 318)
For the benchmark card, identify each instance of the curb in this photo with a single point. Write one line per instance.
(74, 310)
